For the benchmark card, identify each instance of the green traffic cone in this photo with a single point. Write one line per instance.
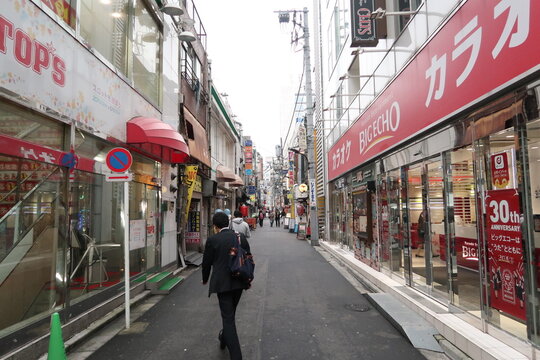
(57, 350)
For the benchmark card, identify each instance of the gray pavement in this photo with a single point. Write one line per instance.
(300, 307)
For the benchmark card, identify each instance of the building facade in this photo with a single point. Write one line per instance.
(432, 150)
(77, 80)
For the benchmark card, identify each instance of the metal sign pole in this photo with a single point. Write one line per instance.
(126, 252)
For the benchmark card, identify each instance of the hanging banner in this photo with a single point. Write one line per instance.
(189, 180)
(505, 252)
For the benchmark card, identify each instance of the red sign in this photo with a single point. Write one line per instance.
(500, 172)
(505, 252)
(31, 53)
(482, 48)
(119, 160)
(24, 149)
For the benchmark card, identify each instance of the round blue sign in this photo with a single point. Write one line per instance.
(119, 160)
(69, 160)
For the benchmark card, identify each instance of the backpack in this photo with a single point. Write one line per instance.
(241, 263)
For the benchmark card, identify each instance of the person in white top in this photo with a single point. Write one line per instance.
(239, 225)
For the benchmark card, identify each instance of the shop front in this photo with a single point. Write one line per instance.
(456, 183)
(62, 226)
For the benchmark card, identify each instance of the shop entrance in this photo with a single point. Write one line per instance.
(426, 218)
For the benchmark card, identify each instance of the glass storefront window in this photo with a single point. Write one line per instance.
(502, 237)
(97, 229)
(33, 236)
(31, 127)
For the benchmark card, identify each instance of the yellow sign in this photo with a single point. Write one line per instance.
(189, 180)
(302, 187)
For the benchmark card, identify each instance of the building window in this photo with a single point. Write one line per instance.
(65, 9)
(146, 53)
(406, 5)
(129, 38)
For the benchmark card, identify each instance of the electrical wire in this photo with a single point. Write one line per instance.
(294, 109)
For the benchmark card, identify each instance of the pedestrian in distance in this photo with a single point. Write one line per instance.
(271, 216)
(278, 217)
(239, 225)
(261, 218)
(228, 289)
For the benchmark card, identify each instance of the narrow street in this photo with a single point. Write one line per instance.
(300, 307)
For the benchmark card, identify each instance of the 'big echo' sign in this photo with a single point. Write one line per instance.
(489, 48)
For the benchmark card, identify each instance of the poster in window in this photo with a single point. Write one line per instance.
(505, 252)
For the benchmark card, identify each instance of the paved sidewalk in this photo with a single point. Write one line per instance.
(300, 307)
(467, 338)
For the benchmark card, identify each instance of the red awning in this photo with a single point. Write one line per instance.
(151, 132)
(224, 174)
(237, 182)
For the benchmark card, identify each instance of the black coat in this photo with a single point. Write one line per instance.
(216, 257)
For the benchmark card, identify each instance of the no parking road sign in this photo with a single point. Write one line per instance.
(119, 160)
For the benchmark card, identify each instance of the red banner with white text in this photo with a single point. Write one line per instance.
(505, 252)
(483, 48)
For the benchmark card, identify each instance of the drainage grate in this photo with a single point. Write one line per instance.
(357, 307)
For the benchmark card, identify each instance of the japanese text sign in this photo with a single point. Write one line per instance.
(482, 48)
(505, 252)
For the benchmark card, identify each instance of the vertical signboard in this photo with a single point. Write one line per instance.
(500, 170)
(189, 180)
(505, 252)
(362, 25)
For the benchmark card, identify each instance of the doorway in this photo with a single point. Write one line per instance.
(425, 207)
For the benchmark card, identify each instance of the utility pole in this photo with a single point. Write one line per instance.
(314, 226)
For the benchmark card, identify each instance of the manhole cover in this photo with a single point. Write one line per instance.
(357, 307)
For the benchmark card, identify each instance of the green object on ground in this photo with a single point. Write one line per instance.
(171, 283)
(57, 351)
(160, 276)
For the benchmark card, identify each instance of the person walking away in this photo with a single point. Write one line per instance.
(228, 289)
(271, 216)
(261, 218)
(239, 225)
(278, 217)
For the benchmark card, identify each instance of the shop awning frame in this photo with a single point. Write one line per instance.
(238, 182)
(158, 138)
(224, 174)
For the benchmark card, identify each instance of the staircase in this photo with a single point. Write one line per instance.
(162, 283)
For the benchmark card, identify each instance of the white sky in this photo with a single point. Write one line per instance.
(254, 62)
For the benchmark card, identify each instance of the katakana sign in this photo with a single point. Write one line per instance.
(484, 47)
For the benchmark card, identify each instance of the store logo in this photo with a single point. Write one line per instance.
(31, 53)
(380, 129)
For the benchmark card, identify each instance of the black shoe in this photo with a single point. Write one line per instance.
(221, 341)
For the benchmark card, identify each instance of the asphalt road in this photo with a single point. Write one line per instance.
(300, 307)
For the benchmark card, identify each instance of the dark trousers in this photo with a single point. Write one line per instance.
(261, 222)
(277, 222)
(228, 301)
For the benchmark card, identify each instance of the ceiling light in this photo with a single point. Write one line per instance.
(172, 10)
(116, 15)
(187, 36)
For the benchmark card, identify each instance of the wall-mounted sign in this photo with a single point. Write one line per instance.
(362, 26)
(446, 78)
(500, 171)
